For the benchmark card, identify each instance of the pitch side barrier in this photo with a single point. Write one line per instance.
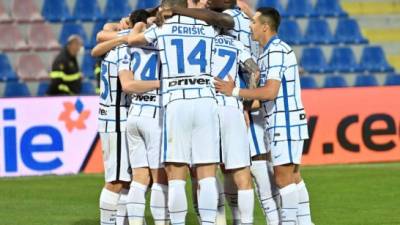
(58, 135)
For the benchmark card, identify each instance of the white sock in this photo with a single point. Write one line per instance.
(221, 218)
(177, 201)
(108, 206)
(246, 206)
(136, 203)
(231, 195)
(122, 213)
(290, 200)
(263, 178)
(303, 211)
(159, 204)
(208, 200)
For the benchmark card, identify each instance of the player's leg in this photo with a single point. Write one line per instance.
(303, 211)
(159, 197)
(261, 168)
(284, 167)
(116, 174)
(266, 188)
(159, 188)
(177, 200)
(140, 170)
(122, 212)
(231, 195)
(205, 156)
(221, 217)
(195, 191)
(236, 156)
(175, 154)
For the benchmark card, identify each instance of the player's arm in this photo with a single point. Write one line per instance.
(106, 35)
(129, 85)
(267, 92)
(251, 67)
(244, 6)
(222, 20)
(104, 47)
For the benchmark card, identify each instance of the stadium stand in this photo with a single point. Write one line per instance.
(343, 60)
(365, 80)
(16, 89)
(335, 81)
(318, 32)
(42, 88)
(328, 36)
(11, 38)
(313, 60)
(308, 82)
(41, 37)
(31, 67)
(87, 88)
(87, 10)
(4, 14)
(56, 11)
(6, 71)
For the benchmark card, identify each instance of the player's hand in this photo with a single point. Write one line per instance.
(225, 87)
(162, 15)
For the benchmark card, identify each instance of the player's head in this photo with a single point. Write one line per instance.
(74, 44)
(265, 23)
(139, 15)
(174, 3)
(220, 5)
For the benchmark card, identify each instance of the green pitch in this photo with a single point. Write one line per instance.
(343, 195)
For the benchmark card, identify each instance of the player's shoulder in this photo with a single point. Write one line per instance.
(185, 20)
(279, 45)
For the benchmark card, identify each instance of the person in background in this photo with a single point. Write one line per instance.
(65, 72)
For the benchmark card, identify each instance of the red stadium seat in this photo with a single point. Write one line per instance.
(31, 67)
(25, 11)
(41, 37)
(11, 38)
(4, 16)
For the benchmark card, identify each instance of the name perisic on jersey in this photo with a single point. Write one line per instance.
(192, 30)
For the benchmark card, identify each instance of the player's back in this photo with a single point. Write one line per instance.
(241, 30)
(229, 53)
(185, 52)
(145, 65)
(114, 103)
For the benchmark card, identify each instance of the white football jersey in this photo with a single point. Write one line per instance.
(229, 53)
(242, 32)
(145, 64)
(185, 53)
(114, 103)
(286, 118)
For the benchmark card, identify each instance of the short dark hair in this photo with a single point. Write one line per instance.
(139, 15)
(271, 16)
(172, 3)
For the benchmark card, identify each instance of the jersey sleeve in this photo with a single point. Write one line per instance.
(124, 59)
(244, 53)
(151, 33)
(277, 66)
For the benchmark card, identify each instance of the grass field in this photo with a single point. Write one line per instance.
(345, 195)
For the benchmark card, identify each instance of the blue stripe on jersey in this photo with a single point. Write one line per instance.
(253, 135)
(298, 125)
(166, 58)
(165, 135)
(286, 103)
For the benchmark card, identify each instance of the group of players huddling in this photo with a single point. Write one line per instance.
(186, 88)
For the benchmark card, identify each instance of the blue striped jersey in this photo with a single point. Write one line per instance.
(185, 46)
(285, 115)
(144, 63)
(229, 53)
(114, 103)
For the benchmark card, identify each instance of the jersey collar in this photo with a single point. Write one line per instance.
(270, 41)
